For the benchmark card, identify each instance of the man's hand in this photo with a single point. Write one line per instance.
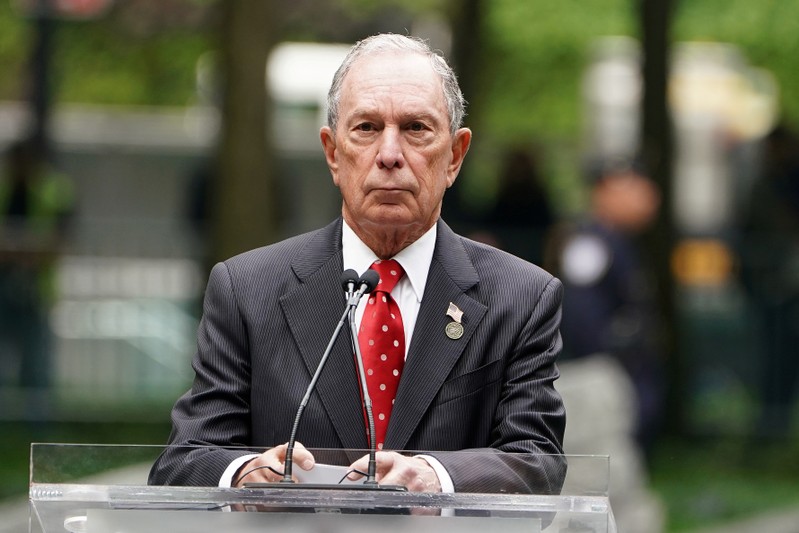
(268, 467)
(414, 473)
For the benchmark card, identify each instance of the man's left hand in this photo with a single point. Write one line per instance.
(414, 473)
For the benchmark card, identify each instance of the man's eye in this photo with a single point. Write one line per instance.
(416, 126)
(365, 127)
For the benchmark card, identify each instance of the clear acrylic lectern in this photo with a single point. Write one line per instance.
(103, 489)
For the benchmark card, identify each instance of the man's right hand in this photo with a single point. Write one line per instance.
(268, 467)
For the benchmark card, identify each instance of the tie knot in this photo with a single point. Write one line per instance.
(390, 273)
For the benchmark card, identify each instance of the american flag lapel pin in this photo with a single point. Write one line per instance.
(454, 329)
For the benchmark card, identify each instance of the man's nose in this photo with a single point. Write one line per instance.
(390, 154)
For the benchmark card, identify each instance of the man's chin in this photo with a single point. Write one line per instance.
(390, 215)
(387, 217)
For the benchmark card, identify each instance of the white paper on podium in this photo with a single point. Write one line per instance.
(324, 474)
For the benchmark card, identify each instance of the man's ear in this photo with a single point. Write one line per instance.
(328, 138)
(460, 146)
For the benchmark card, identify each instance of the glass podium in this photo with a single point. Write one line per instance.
(103, 489)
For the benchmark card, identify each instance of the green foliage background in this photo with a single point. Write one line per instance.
(122, 58)
(767, 32)
(13, 49)
(544, 47)
(100, 66)
(537, 50)
(531, 97)
(534, 55)
(532, 90)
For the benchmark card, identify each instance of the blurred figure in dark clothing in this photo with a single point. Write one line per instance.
(608, 304)
(770, 266)
(520, 217)
(35, 204)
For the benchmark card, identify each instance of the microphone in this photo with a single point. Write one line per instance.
(369, 279)
(367, 282)
(349, 280)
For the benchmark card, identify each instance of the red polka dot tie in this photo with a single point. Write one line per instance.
(382, 342)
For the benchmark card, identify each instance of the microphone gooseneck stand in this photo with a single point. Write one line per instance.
(370, 480)
(366, 284)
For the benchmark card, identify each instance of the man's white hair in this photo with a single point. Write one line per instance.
(391, 42)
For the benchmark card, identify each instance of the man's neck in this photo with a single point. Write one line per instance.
(386, 243)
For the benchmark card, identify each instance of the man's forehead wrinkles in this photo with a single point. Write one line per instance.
(392, 110)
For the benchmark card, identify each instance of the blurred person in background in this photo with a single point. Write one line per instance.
(770, 268)
(521, 214)
(608, 303)
(35, 205)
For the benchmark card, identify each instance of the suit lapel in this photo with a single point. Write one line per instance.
(432, 353)
(312, 310)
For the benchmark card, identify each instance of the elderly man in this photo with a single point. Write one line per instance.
(464, 358)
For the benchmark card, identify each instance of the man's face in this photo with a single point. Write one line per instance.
(392, 154)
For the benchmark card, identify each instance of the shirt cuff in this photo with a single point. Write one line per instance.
(226, 481)
(447, 485)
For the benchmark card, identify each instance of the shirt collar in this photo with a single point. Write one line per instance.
(415, 258)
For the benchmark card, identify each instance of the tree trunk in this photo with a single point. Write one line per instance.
(466, 17)
(244, 186)
(657, 152)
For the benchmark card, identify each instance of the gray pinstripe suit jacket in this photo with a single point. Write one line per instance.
(268, 316)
